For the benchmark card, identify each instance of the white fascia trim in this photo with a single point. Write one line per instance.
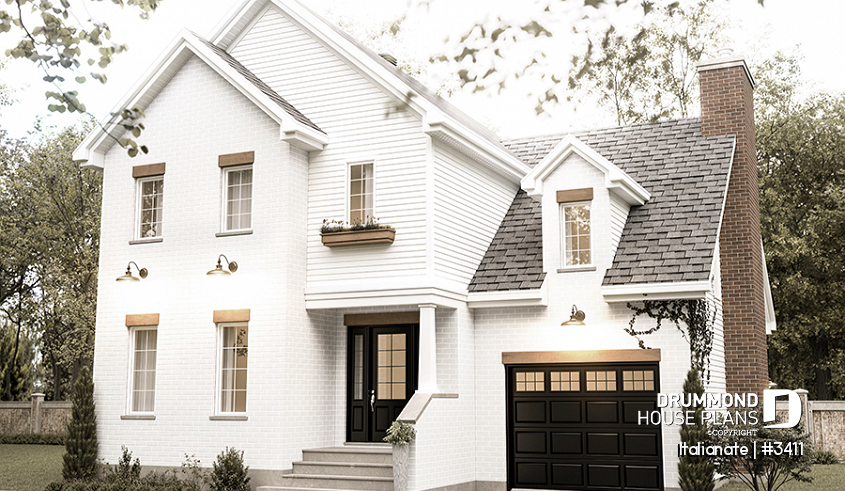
(92, 150)
(438, 126)
(687, 290)
(508, 163)
(382, 298)
(512, 298)
(771, 319)
(616, 180)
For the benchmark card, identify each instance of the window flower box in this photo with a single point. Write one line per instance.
(358, 237)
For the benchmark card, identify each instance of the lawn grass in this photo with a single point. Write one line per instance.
(30, 467)
(825, 478)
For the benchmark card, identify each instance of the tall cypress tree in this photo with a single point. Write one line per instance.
(80, 459)
(695, 473)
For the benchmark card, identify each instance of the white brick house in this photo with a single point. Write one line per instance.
(279, 121)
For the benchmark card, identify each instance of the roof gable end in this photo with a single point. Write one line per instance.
(616, 180)
(295, 127)
(441, 120)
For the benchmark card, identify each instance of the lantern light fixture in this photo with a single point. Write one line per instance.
(576, 318)
(219, 271)
(142, 272)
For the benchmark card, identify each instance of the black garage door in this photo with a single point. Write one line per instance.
(575, 427)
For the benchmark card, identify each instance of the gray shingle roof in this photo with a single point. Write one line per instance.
(669, 239)
(260, 85)
(514, 260)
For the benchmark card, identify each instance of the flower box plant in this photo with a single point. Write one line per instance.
(334, 233)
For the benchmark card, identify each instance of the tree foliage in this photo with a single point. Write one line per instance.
(801, 165)
(65, 43)
(80, 458)
(650, 74)
(695, 472)
(627, 42)
(49, 250)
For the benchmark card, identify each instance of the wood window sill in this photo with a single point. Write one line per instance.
(138, 417)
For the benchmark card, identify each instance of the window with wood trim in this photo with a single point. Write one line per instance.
(142, 379)
(361, 193)
(149, 207)
(232, 375)
(576, 234)
(237, 199)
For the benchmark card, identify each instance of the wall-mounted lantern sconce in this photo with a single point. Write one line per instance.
(577, 318)
(142, 272)
(219, 271)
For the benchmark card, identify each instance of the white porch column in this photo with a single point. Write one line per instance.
(428, 349)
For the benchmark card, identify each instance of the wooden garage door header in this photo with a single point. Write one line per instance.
(590, 356)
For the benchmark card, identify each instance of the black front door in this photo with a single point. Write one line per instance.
(382, 377)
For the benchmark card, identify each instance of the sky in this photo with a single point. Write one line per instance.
(757, 33)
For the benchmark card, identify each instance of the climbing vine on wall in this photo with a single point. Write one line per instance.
(693, 318)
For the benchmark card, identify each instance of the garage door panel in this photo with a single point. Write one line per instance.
(567, 474)
(530, 442)
(565, 411)
(603, 443)
(530, 412)
(602, 412)
(633, 409)
(641, 444)
(582, 437)
(530, 473)
(604, 475)
(645, 477)
(566, 443)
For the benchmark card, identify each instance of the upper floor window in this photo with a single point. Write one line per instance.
(360, 193)
(576, 227)
(150, 205)
(237, 212)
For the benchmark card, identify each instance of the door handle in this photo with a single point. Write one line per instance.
(372, 400)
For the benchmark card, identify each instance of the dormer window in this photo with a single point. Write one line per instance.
(575, 225)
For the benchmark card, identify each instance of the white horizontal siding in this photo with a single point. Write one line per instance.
(618, 216)
(469, 204)
(363, 123)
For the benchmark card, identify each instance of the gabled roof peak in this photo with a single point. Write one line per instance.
(616, 180)
(295, 127)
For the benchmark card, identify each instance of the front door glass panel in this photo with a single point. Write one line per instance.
(382, 377)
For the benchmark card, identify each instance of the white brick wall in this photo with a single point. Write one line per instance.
(292, 383)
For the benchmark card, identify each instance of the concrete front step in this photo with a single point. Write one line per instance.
(343, 469)
(311, 481)
(350, 454)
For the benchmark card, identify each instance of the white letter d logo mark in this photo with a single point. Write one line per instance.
(769, 407)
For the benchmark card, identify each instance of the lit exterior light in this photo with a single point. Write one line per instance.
(142, 272)
(219, 271)
(577, 318)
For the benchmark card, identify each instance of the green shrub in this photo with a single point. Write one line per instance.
(32, 439)
(695, 472)
(400, 433)
(825, 457)
(229, 473)
(80, 459)
(766, 472)
(125, 472)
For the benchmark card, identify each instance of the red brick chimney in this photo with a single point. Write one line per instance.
(727, 108)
